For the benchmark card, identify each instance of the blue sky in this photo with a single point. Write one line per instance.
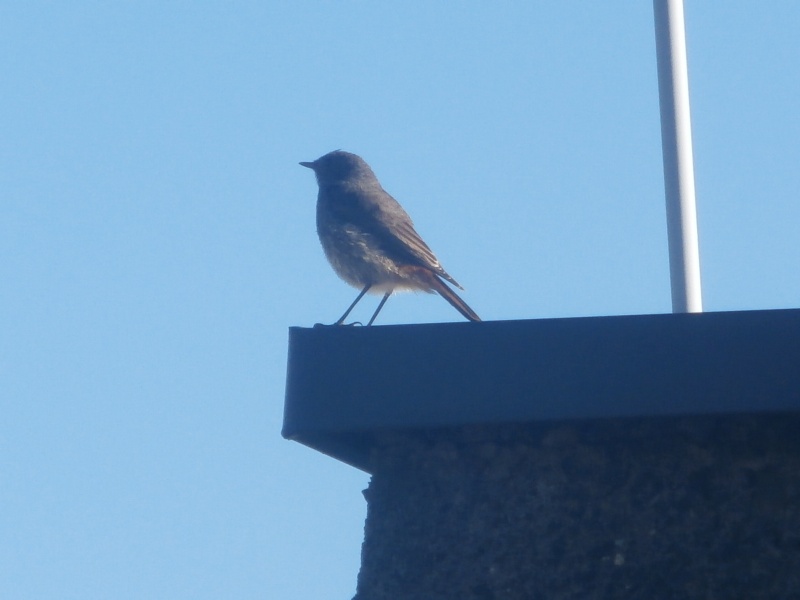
(158, 240)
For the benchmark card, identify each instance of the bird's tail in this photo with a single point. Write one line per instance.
(454, 299)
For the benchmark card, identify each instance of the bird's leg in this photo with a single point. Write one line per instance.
(380, 306)
(360, 296)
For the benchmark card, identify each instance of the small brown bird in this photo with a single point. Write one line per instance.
(369, 239)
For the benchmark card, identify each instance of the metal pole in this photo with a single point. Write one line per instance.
(676, 143)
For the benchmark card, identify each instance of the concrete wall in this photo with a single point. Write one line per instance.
(690, 507)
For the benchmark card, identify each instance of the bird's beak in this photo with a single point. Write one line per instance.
(310, 165)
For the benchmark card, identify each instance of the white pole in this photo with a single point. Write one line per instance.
(676, 143)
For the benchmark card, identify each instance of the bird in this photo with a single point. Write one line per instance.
(370, 240)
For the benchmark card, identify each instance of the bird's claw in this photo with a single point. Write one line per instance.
(316, 325)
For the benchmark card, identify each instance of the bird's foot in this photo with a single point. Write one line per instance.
(338, 324)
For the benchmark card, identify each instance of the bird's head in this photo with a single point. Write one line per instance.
(340, 166)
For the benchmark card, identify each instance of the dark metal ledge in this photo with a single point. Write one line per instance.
(345, 384)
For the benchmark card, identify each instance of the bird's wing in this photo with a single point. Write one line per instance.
(411, 242)
(391, 228)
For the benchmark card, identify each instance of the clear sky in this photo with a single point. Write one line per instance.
(157, 240)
